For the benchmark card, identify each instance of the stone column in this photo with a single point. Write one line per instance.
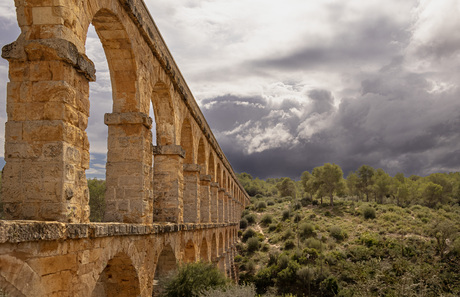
(168, 180)
(221, 205)
(46, 146)
(222, 264)
(205, 198)
(129, 195)
(191, 193)
(214, 202)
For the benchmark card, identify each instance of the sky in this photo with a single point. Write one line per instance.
(289, 85)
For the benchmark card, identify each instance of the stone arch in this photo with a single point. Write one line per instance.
(214, 248)
(186, 141)
(224, 180)
(163, 109)
(211, 166)
(221, 244)
(202, 156)
(120, 58)
(165, 265)
(226, 239)
(119, 278)
(219, 174)
(189, 252)
(204, 255)
(18, 278)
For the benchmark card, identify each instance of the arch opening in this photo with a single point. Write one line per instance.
(189, 252)
(119, 278)
(204, 255)
(166, 265)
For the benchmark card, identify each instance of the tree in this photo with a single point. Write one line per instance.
(382, 183)
(365, 174)
(432, 194)
(308, 183)
(352, 184)
(317, 182)
(331, 180)
(96, 199)
(287, 188)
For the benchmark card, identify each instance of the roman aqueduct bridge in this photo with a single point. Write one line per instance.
(182, 206)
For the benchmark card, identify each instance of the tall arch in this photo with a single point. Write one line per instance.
(204, 255)
(163, 109)
(119, 278)
(186, 141)
(165, 265)
(202, 156)
(211, 166)
(189, 252)
(219, 174)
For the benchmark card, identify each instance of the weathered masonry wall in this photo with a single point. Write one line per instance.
(105, 259)
(184, 204)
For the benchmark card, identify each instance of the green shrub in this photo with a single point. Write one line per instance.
(337, 233)
(243, 223)
(272, 227)
(192, 279)
(247, 290)
(369, 212)
(251, 218)
(271, 202)
(286, 214)
(248, 234)
(283, 261)
(288, 234)
(313, 243)
(296, 205)
(261, 205)
(297, 217)
(253, 244)
(289, 244)
(266, 219)
(306, 230)
(330, 287)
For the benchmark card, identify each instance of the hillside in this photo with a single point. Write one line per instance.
(352, 249)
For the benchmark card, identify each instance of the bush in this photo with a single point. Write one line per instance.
(289, 244)
(261, 205)
(251, 218)
(271, 202)
(247, 290)
(243, 223)
(266, 219)
(313, 243)
(369, 213)
(272, 227)
(296, 205)
(297, 217)
(248, 234)
(288, 234)
(283, 261)
(337, 233)
(193, 279)
(286, 214)
(253, 244)
(307, 230)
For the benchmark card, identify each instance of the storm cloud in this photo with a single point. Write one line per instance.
(288, 86)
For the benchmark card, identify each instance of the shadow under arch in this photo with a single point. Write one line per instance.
(204, 255)
(166, 264)
(119, 278)
(189, 252)
(18, 279)
(214, 248)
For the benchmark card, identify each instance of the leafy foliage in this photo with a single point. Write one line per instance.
(193, 280)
